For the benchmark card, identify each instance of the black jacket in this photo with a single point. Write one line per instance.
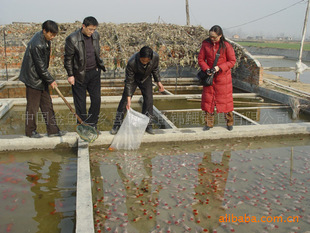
(34, 70)
(75, 55)
(135, 72)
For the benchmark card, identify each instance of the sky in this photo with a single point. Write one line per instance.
(268, 18)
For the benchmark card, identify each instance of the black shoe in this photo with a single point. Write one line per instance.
(35, 134)
(114, 130)
(59, 134)
(230, 128)
(205, 128)
(149, 130)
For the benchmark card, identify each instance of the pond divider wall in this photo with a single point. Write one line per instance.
(84, 203)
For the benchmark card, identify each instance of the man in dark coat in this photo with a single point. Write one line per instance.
(140, 67)
(83, 64)
(34, 73)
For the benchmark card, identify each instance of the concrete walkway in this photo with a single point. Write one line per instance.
(84, 202)
(20, 142)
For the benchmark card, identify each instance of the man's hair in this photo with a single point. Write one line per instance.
(50, 26)
(90, 20)
(147, 52)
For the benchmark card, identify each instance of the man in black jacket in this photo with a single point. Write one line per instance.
(83, 64)
(34, 73)
(140, 67)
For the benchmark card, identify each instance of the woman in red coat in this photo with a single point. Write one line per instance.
(220, 93)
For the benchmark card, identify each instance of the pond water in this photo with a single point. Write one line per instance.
(275, 62)
(13, 122)
(38, 191)
(187, 119)
(246, 185)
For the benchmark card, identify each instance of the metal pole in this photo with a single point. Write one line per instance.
(187, 14)
(302, 42)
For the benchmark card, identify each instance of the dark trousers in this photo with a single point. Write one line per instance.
(147, 107)
(92, 85)
(39, 99)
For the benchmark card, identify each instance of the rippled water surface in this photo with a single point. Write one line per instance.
(204, 186)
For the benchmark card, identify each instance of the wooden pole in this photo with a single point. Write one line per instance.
(5, 56)
(187, 14)
(302, 42)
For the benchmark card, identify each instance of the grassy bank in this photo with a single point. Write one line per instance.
(276, 44)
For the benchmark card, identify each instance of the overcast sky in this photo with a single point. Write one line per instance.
(226, 13)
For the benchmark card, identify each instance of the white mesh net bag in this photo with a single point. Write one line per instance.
(300, 67)
(130, 133)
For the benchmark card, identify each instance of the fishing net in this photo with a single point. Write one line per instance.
(130, 133)
(87, 132)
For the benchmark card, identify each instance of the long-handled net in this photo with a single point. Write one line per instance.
(85, 131)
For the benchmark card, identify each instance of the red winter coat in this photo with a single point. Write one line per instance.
(220, 93)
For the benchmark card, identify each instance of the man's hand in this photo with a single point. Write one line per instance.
(128, 102)
(71, 80)
(160, 87)
(53, 84)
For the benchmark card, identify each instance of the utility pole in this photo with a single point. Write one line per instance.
(298, 64)
(5, 56)
(187, 14)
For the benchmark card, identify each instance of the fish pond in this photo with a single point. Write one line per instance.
(38, 191)
(239, 185)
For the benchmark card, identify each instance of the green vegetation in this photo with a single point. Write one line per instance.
(276, 44)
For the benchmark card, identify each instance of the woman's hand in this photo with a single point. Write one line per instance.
(217, 69)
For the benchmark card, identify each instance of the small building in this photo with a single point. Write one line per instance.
(236, 37)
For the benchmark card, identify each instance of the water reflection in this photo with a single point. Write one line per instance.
(212, 178)
(38, 191)
(46, 198)
(197, 187)
(10, 123)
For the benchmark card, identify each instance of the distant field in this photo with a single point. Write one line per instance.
(280, 45)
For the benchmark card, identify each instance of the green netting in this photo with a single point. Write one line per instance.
(87, 133)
